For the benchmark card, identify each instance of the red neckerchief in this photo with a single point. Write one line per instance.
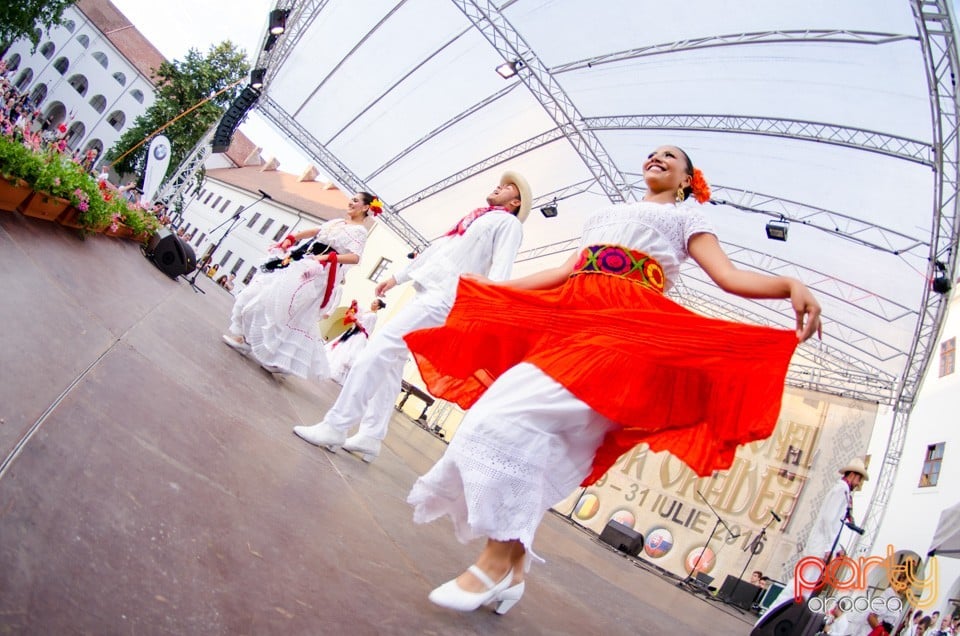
(465, 222)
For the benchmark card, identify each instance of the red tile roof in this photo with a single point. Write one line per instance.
(123, 35)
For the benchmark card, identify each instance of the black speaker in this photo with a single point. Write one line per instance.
(232, 118)
(789, 619)
(623, 538)
(170, 253)
(739, 592)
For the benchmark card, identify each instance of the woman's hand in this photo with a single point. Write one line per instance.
(385, 286)
(807, 309)
(321, 258)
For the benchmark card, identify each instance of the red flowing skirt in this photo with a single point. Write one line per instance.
(695, 386)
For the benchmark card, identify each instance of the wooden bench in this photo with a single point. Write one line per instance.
(407, 390)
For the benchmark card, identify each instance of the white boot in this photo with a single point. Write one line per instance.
(321, 434)
(368, 447)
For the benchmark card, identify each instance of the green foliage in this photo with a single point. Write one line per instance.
(16, 160)
(23, 18)
(181, 85)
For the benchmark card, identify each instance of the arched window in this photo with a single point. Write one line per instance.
(47, 50)
(137, 94)
(55, 115)
(79, 83)
(121, 78)
(100, 57)
(14, 62)
(84, 40)
(99, 103)
(75, 133)
(38, 94)
(95, 145)
(23, 80)
(117, 119)
(61, 65)
(69, 25)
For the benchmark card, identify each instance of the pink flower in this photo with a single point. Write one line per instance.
(62, 128)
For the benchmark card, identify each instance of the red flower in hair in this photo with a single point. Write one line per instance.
(699, 187)
(376, 206)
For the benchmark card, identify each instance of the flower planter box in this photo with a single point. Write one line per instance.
(44, 206)
(13, 192)
(71, 218)
(122, 231)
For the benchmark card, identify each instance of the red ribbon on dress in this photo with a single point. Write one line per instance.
(331, 278)
(466, 221)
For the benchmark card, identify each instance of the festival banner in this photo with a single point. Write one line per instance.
(158, 159)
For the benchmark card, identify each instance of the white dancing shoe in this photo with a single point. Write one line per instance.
(509, 597)
(367, 447)
(321, 435)
(275, 370)
(236, 345)
(452, 596)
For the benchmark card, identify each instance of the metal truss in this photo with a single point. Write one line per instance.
(334, 167)
(857, 138)
(935, 26)
(182, 179)
(301, 15)
(488, 19)
(813, 36)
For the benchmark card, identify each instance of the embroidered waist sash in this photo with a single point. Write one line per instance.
(622, 262)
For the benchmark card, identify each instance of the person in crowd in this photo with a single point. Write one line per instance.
(485, 241)
(343, 350)
(565, 370)
(276, 321)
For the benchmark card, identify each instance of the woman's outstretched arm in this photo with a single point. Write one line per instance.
(706, 251)
(546, 279)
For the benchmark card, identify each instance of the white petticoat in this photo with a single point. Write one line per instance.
(278, 316)
(523, 447)
(341, 356)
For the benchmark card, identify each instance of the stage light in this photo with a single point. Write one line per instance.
(777, 230)
(549, 211)
(509, 69)
(269, 42)
(941, 283)
(256, 77)
(278, 21)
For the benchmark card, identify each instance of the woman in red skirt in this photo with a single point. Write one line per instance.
(596, 360)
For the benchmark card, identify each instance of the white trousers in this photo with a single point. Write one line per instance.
(372, 386)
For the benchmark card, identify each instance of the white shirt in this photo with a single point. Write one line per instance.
(488, 247)
(829, 521)
(656, 229)
(862, 627)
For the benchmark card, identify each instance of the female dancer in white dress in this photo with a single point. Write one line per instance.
(595, 360)
(344, 349)
(277, 323)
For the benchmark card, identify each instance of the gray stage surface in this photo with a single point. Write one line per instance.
(151, 483)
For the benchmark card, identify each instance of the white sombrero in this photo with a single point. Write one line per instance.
(856, 465)
(525, 196)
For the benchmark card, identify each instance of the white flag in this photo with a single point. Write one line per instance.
(158, 158)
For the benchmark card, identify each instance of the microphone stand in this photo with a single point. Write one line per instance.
(689, 578)
(233, 223)
(753, 552)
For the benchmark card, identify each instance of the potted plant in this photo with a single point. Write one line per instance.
(19, 168)
(59, 178)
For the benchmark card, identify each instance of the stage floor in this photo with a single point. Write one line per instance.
(151, 483)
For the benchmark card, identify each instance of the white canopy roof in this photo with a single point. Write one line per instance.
(819, 112)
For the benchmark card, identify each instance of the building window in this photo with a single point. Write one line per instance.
(202, 236)
(47, 50)
(931, 465)
(236, 266)
(207, 200)
(226, 204)
(69, 25)
(266, 226)
(121, 78)
(61, 65)
(253, 220)
(98, 103)
(281, 232)
(948, 356)
(226, 257)
(117, 119)
(249, 276)
(137, 94)
(240, 209)
(79, 83)
(84, 40)
(24, 80)
(216, 201)
(101, 58)
(377, 274)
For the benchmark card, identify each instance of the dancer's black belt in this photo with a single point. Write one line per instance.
(312, 248)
